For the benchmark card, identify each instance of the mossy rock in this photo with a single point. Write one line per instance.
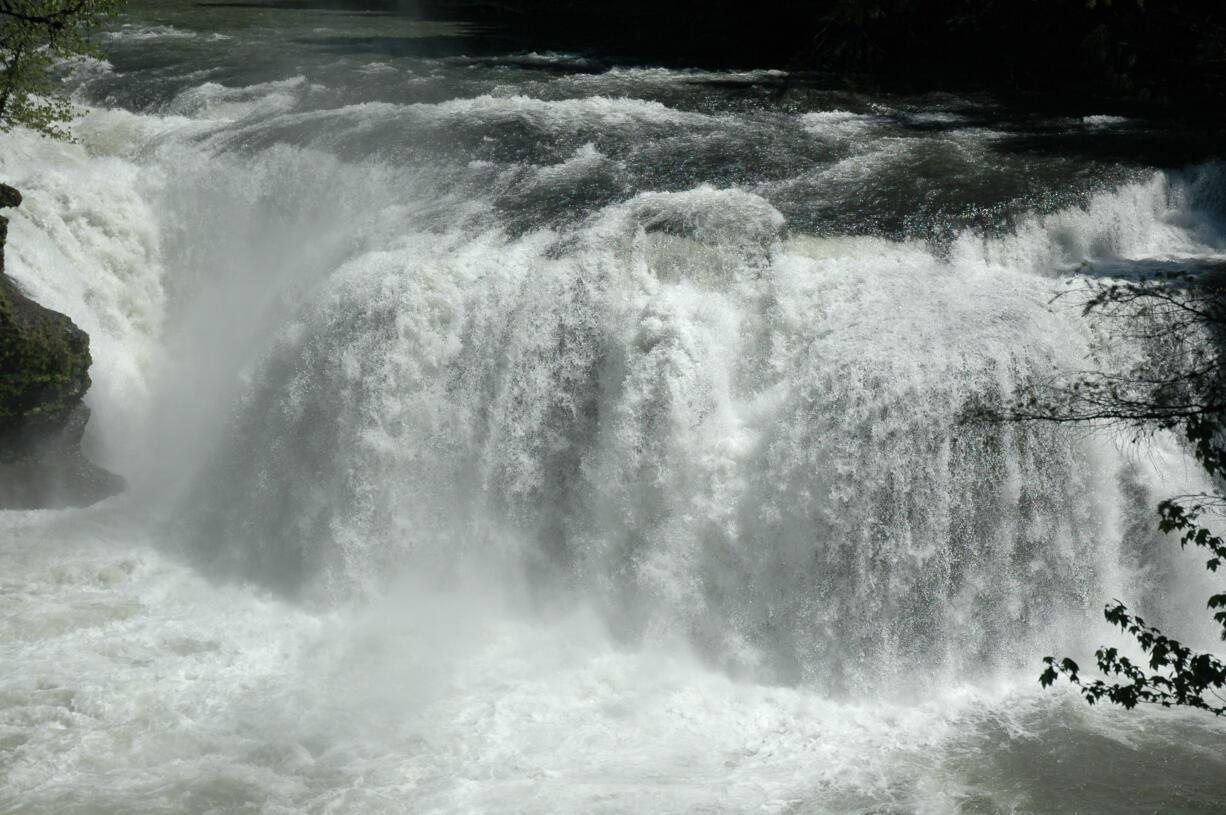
(44, 373)
(44, 358)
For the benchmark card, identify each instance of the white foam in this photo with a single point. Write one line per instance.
(1103, 121)
(562, 114)
(213, 101)
(1137, 220)
(586, 160)
(837, 123)
(130, 32)
(141, 681)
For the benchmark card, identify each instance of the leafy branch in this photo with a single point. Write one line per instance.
(1177, 383)
(35, 36)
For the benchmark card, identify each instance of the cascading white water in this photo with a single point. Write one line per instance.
(479, 474)
(715, 430)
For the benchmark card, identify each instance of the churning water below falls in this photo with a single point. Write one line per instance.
(521, 434)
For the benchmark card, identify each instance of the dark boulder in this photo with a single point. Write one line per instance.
(44, 374)
(9, 197)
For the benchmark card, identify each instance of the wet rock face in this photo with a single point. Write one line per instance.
(44, 374)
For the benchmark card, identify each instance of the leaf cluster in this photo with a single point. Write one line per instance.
(1177, 383)
(1177, 675)
(36, 36)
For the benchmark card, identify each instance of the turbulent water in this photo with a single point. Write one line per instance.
(518, 433)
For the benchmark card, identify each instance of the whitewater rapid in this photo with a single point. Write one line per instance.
(520, 435)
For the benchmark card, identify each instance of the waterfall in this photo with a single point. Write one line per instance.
(540, 351)
(675, 408)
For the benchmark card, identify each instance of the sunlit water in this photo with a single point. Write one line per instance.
(517, 433)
